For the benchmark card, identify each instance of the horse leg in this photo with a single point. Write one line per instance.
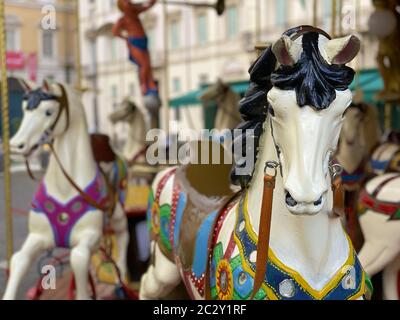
(119, 223)
(80, 260)
(390, 280)
(33, 246)
(161, 277)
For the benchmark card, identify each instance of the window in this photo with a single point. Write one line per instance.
(114, 95)
(175, 43)
(113, 49)
(176, 85)
(48, 44)
(12, 41)
(203, 79)
(132, 89)
(281, 12)
(202, 29)
(151, 35)
(232, 22)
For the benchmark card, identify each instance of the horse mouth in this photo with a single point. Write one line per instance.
(26, 154)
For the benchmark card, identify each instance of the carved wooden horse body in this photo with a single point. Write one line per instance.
(359, 136)
(207, 236)
(379, 209)
(69, 207)
(380, 223)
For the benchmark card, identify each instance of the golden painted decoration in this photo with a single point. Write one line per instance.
(224, 283)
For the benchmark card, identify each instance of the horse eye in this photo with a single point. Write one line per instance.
(49, 113)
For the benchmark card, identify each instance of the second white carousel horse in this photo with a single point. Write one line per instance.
(359, 136)
(214, 240)
(380, 223)
(70, 204)
(228, 115)
(138, 121)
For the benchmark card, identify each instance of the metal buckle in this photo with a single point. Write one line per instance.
(335, 170)
(271, 165)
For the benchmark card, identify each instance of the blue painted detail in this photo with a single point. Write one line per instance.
(244, 289)
(379, 165)
(200, 252)
(178, 217)
(275, 275)
(351, 178)
(213, 267)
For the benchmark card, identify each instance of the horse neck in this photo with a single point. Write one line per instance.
(351, 156)
(73, 148)
(136, 136)
(315, 246)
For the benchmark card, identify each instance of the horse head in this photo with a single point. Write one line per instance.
(300, 91)
(214, 92)
(46, 115)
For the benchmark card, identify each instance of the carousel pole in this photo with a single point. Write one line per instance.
(334, 18)
(315, 13)
(6, 137)
(78, 48)
(258, 20)
(166, 66)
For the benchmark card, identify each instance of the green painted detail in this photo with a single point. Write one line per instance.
(396, 216)
(150, 204)
(234, 262)
(218, 252)
(369, 286)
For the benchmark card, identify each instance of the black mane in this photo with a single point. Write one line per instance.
(313, 79)
(35, 97)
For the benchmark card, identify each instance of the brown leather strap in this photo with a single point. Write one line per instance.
(83, 194)
(28, 169)
(137, 155)
(264, 233)
(338, 197)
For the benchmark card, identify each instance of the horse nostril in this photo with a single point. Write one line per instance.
(318, 202)
(290, 201)
(21, 146)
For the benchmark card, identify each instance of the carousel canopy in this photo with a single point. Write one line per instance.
(369, 80)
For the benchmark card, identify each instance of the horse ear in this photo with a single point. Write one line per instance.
(51, 88)
(25, 85)
(342, 50)
(286, 51)
(46, 86)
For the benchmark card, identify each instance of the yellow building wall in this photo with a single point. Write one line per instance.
(30, 30)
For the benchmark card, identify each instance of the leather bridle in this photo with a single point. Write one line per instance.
(64, 106)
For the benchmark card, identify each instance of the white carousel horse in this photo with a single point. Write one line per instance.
(228, 116)
(380, 223)
(310, 255)
(138, 120)
(359, 136)
(62, 215)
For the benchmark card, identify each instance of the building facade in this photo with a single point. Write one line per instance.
(40, 35)
(191, 46)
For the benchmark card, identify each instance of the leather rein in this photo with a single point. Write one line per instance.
(64, 106)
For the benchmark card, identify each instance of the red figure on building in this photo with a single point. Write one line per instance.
(130, 28)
